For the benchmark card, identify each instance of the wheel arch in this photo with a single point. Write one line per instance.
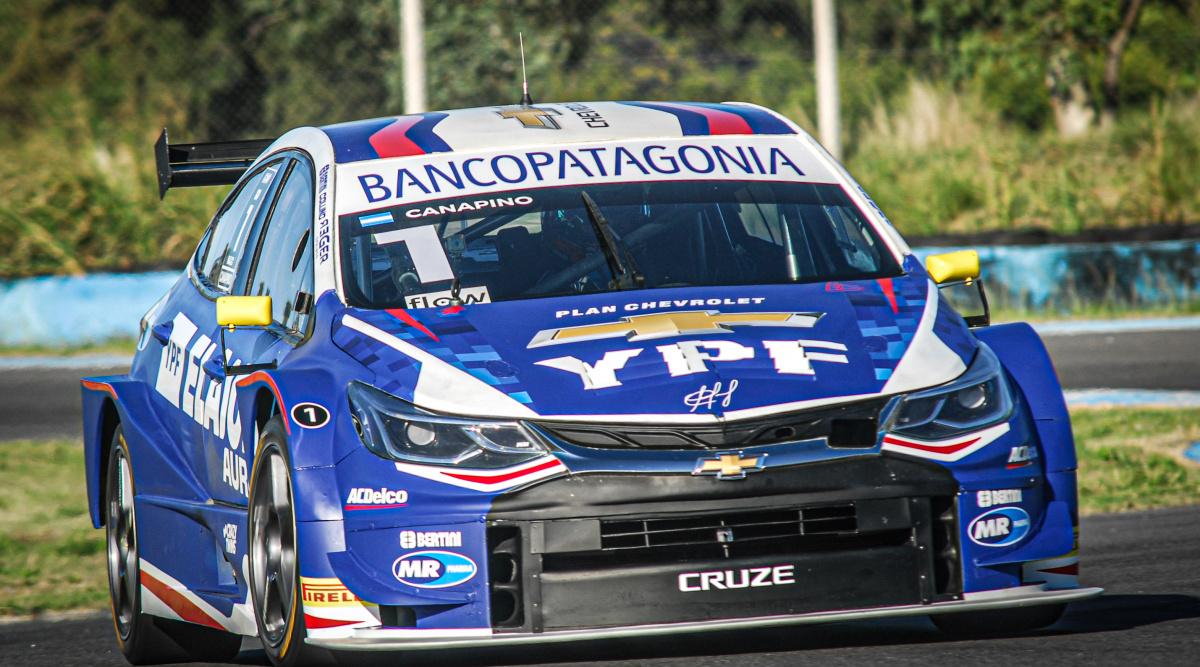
(110, 419)
(266, 405)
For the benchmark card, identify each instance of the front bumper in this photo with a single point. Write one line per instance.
(601, 551)
(412, 639)
(606, 550)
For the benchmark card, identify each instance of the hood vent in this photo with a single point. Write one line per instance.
(844, 422)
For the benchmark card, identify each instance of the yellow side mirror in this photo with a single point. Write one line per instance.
(953, 266)
(244, 311)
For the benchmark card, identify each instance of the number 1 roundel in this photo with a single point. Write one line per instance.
(310, 415)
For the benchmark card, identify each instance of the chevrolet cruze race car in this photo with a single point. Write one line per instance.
(563, 372)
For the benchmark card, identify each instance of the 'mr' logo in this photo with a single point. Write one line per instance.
(531, 116)
(995, 527)
(418, 569)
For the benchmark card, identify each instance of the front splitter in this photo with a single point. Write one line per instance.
(399, 639)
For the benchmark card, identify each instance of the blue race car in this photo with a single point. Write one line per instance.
(561, 372)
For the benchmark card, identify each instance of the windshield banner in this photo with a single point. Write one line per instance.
(365, 186)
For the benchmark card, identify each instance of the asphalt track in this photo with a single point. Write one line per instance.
(44, 402)
(1149, 562)
(1128, 360)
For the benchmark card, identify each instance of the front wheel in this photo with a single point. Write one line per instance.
(999, 621)
(274, 564)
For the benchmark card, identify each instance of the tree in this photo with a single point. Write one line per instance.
(1112, 62)
(1066, 40)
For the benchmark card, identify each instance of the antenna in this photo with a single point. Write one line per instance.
(526, 100)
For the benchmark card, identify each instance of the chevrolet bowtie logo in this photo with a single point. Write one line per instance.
(531, 117)
(665, 325)
(730, 465)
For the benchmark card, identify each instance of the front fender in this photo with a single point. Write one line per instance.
(1022, 353)
(98, 394)
(158, 466)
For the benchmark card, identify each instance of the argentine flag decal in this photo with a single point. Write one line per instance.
(384, 218)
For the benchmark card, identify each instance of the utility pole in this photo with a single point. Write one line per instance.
(412, 46)
(829, 120)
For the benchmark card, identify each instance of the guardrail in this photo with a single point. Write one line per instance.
(1067, 277)
(62, 311)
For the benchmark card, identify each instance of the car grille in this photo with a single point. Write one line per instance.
(852, 425)
(661, 540)
(727, 527)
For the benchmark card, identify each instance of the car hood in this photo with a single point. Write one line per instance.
(665, 355)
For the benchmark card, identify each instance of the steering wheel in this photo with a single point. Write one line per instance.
(406, 282)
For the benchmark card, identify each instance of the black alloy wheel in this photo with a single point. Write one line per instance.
(274, 565)
(145, 639)
(141, 641)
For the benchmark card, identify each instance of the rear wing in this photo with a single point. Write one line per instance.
(197, 165)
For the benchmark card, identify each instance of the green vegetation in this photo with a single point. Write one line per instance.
(51, 558)
(940, 161)
(115, 346)
(958, 115)
(1133, 458)
(76, 204)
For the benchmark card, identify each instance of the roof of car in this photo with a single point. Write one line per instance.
(486, 128)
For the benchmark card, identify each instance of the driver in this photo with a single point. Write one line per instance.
(568, 236)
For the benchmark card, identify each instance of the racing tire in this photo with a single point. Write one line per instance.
(141, 641)
(999, 621)
(145, 639)
(274, 560)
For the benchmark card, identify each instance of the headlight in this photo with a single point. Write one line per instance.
(978, 398)
(398, 430)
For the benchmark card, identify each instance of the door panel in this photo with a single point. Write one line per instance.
(195, 406)
(282, 267)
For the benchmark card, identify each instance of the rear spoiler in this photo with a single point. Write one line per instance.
(197, 165)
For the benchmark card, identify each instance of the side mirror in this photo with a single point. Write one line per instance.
(242, 311)
(968, 298)
(957, 276)
(953, 266)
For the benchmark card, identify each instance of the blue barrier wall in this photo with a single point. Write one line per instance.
(74, 310)
(60, 311)
(1058, 278)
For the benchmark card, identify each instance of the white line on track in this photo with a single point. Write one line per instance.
(1132, 398)
(1084, 327)
(49, 361)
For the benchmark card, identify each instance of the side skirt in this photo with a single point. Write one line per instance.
(163, 595)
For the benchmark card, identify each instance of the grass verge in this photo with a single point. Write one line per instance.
(1131, 458)
(51, 559)
(115, 346)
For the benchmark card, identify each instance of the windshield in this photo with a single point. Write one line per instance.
(548, 242)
